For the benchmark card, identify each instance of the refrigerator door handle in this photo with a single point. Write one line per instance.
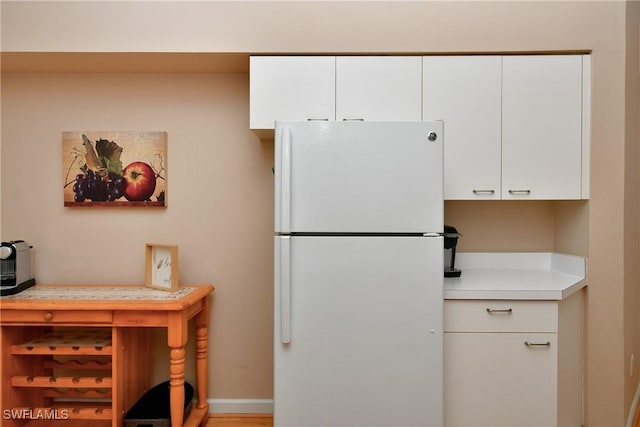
(285, 211)
(285, 290)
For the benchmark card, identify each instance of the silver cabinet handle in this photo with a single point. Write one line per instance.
(320, 120)
(493, 310)
(483, 191)
(535, 344)
(519, 191)
(353, 120)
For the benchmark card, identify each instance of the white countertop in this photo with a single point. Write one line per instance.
(516, 276)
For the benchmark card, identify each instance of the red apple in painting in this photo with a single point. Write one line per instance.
(141, 181)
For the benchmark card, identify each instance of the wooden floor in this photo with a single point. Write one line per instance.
(240, 420)
(266, 420)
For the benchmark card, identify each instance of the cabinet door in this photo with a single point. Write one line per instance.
(378, 88)
(495, 379)
(291, 88)
(541, 127)
(465, 92)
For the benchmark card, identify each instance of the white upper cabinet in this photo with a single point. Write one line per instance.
(516, 126)
(371, 88)
(378, 88)
(465, 92)
(291, 88)
(542, 127)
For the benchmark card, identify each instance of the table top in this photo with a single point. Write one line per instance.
(104, 297)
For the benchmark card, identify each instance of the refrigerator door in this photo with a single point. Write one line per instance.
(358, 331)
(358, 177)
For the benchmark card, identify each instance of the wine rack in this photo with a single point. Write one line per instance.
(74, 376)
(76, 391)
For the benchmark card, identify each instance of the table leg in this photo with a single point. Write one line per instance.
(201, 323)
(176, 390)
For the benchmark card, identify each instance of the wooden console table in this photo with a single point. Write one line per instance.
(55, 337)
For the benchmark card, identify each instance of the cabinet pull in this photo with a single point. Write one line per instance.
(353, 120)
(483, 191)
(493, 310)
(319, 120)
(535, 344)
(519, 191)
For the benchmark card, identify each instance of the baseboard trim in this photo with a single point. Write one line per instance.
(240, 406)
(634, 411)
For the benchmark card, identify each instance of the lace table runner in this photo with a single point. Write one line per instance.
(99, 293)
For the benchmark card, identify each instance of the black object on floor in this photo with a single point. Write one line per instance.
(153, 409)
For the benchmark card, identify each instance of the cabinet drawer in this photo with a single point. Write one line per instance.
(500, 316)
(55, 316)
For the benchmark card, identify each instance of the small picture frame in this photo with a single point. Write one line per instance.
(161, 267)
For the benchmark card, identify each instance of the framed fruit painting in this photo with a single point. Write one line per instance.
(114, 168)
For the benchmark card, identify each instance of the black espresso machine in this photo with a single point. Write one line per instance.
(15, 267)
(451, 237)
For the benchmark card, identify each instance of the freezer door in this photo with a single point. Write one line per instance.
(369, 177)
(358, 331)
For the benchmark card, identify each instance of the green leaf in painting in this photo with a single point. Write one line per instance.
(109, 153)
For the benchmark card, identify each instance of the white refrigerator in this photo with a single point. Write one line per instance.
(358, 274)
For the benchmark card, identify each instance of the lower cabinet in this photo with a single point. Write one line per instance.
(513, 363)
